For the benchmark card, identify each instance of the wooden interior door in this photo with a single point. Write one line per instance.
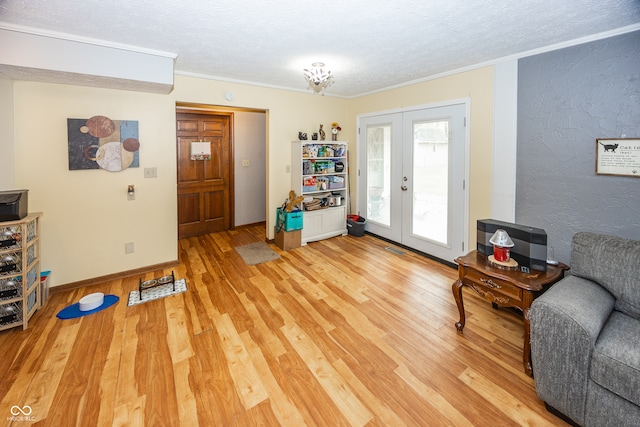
(205, 193)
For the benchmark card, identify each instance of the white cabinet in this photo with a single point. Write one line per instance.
(19, 271)
(319, 172)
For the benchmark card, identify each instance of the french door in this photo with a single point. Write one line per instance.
(412, 172)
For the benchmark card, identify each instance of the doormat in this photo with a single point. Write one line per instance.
(256, 253)
(156, 292)
(74, 311)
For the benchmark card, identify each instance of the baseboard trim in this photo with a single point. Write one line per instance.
(114, 276)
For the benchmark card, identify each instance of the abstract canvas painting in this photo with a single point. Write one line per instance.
(102, 143)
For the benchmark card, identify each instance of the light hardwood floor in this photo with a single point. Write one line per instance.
(342, 332)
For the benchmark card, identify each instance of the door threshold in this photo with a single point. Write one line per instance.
(415, 251)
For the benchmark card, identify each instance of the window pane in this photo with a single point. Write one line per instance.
(379, 174)
(431, 179)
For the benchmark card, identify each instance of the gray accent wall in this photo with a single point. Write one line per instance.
(566, 99)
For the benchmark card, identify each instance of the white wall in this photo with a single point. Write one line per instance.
(505, 132)
(7, 155)
(250, 166)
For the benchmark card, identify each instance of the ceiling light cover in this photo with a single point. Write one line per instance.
(318, 78)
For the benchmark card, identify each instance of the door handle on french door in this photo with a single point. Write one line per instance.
(403, 188)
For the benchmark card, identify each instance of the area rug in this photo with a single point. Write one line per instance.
(74, 311)
(256, 253)
(157, 292)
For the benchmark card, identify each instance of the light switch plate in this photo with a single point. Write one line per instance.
(151, 172)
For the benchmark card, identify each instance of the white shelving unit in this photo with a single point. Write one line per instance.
(319, 171)
(19, 271)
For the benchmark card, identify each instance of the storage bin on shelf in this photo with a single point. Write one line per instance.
(10, 288)
(310, 184)
(11, 263)
(336, 182)
(11, 313)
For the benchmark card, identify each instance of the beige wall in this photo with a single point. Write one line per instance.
(87, 217)
(287, 113)
(476, 85)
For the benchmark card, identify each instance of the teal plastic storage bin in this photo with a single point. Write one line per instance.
(288, 221)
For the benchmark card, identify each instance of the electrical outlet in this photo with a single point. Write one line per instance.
(129, 248)
(245, 162)
(151, 172)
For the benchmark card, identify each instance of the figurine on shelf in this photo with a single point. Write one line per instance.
(321, 132)
(335, 128)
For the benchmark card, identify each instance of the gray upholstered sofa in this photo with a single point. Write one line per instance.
(585, 334)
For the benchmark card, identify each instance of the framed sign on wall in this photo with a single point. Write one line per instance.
(618, 156)
(200, 150)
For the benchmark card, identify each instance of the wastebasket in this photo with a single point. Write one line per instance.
(355, 225)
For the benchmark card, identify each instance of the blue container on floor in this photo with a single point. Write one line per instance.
(288, 221)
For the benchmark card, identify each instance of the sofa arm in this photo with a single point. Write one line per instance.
(565, 323)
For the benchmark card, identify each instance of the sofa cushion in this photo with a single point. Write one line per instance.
(614, 263)
(616, 357)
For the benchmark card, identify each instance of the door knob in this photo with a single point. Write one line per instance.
(403, 188)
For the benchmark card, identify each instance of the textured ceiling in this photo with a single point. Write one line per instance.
(368, 44)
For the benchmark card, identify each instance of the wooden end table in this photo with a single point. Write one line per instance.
(504, 288)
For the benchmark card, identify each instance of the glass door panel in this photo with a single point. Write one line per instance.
(379, 174)
(379, 170)
(431, 180)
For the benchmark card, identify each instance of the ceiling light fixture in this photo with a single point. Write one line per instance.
(318, 78)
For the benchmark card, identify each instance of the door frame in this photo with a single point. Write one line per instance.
(361, 166)
(224, 109)
(180, 109)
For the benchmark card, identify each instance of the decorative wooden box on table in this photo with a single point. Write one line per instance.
(319, 171)
(20, 295)
(503, 286)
